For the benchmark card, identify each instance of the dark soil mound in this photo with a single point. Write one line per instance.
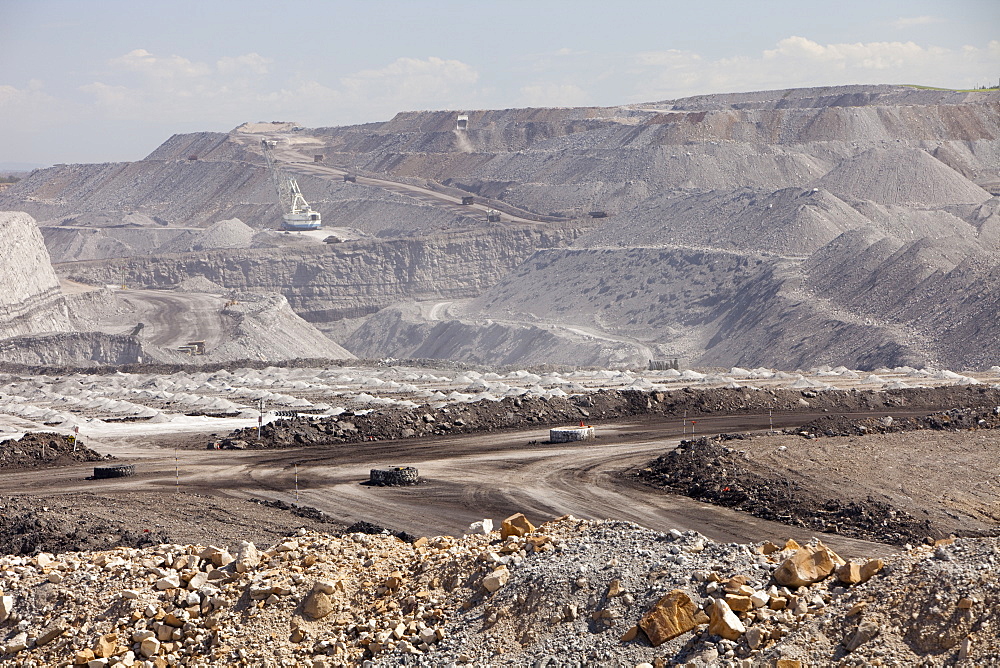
(39, 450)
(982, 417)
(707, 470)
(27, 529)
(526, 412)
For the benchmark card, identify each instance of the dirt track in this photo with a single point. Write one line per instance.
(174, 318)
(468, 477)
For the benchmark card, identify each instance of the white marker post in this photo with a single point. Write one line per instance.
(296, 483)
(260, 417)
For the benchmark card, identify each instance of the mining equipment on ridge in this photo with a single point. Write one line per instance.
(297, 215)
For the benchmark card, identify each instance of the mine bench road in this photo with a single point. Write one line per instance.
(467, 478)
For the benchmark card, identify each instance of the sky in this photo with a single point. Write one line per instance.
(110, 80)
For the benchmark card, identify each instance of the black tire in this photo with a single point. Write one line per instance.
(120, 471)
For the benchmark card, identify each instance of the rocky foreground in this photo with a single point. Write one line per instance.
(567, 593)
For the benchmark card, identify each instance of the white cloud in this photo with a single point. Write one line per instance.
(798, 61)
(411, 83)
(251, 63)
(171, 67)
(908, 22)
(143, 86)
(30, 109)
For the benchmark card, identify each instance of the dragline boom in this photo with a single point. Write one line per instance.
(296, 212)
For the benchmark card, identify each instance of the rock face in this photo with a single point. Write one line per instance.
(31, 302)
(324, 283)
(853, 225)
(83, 348)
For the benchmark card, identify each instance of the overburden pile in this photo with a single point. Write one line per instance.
(566, 593)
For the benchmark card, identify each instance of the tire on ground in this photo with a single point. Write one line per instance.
(119, 471)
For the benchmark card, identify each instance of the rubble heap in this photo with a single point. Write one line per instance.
(568, 592)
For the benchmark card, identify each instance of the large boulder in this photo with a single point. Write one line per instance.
(673, 615)
(807, 565)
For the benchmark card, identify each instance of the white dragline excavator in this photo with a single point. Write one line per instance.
(297, 215)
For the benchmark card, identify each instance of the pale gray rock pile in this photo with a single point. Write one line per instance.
(775, 188)
(232, 233)
(901, 177)
(265, 328)
(567, 593)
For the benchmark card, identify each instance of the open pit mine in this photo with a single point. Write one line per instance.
(702, 382)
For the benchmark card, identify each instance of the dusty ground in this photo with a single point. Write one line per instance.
(493, 471)
(98, 521)
(892, 480)
(950, 479)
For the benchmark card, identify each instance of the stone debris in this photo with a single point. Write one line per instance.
(568, 592)
(672, 615)
(515, 525)
(807, 566)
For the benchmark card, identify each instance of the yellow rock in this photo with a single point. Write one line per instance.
(769, 548)
(515, 525)
(106, 645)
(724, 622)
(537, 542)
(805, 567)
(674, 614)
(317, 604)
(870, 569)
(777, 603)
(83, 657)
(849, 573)
(739, 603)
(858, 608)
(394, 580)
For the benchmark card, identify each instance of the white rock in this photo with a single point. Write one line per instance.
(496, 579)
(17, 643)
(198, 580)
(149, 647)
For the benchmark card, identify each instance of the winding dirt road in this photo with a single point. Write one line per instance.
(173, 319)
(467, 478)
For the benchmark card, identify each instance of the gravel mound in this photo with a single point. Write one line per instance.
(902, 177)
(715, 471)
(38, 450)
(567, 593)
(232, 233)
(797, 221)
(520, 412)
